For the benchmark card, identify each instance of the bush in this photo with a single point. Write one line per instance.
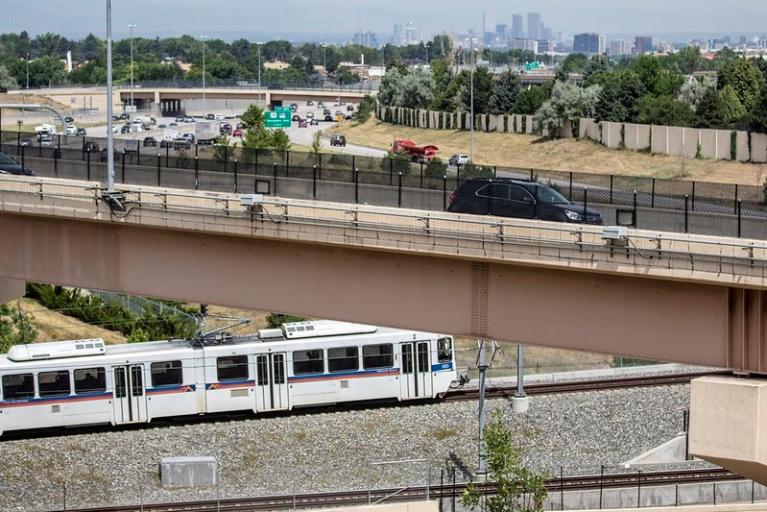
(471, 170)
(365, 109)
(275, 320)
(435, 169)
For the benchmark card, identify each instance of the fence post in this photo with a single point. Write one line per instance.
(639, 488)
(56, 155)
(39, 146)
(236, 184)
(444, 192)
(421, 185)
(561, 488)
(652, 196)
(87, 163)
(686, 214)
(354, 163)
(457, 175)
(275, 177)
(138, 155)
(159, 165)
(255, 162)
(167, 154)
(196, 149)
(391, 171)
(399, 191)
(611, 188)
(314, 181)
(123, 166)
(532, 175)
(635, 209)
(18, 142)
(356, 186)
(740, 209)
(319, 165)
(736, 198)
(196, 172)
(601, 485)
(287, 164)
(585, 202)
(693, 196)
(571, 186)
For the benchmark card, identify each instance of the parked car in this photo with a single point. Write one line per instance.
(348, 117)
(173, 125)
(150, 142)
(338, 140)
(10, 166)
(459, 160)
(226, 128)
(507, 197)
(162, 126)
(320, 104)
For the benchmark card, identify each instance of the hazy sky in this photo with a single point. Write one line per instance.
(251, 17)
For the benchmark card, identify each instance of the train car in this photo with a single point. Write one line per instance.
(86, 382)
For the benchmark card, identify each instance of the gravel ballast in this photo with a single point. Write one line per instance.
(333, 451)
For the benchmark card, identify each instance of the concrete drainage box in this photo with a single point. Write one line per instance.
(188, 471)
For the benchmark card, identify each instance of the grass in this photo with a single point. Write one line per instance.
(527, 151)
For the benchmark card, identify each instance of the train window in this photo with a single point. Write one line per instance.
(53, 383)
(423, 358)
(407, 358)
(167, 373)
(278, 374)
(232, 368)
(18, 387)
(445, 350)
(343, 359)
(90, 380)
(378, 356)
(308, 361)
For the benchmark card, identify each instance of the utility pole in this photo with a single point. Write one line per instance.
(131, 26)
(204, 99)
(27, 70)
(482, 367)
(324, 64)
(259, 63)
(110, 101)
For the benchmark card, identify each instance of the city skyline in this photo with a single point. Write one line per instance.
(295, 17)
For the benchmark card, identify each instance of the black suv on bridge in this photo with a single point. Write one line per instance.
(507, 197)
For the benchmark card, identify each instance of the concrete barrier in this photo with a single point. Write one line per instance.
(636, 136)
(743, 152)
(530, 124)
(188, 472)
(759, 147)
(611, 134)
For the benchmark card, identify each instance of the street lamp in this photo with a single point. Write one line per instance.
(324, 64)
(204, 99)
(131, 26)
(27, 70)
(110, 101)
(471, 121)
(259, 43)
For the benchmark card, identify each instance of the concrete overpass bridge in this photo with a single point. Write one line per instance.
(672, 297)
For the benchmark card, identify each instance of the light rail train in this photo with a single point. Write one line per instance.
(86, 382)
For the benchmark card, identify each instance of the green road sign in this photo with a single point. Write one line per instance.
(279, 118)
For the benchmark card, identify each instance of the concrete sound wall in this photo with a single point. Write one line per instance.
(636, 136)
(611, 134)
(758, 147)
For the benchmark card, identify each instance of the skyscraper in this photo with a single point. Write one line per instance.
(589, 44)
(643, 44)
(534, 25)
(517, 26)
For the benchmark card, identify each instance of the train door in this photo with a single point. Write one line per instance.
(129, 397)
(415, 370)
(271, 382)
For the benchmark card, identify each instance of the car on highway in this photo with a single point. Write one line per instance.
(124, 117)
(25, 142)
(210, 117)
(310, 103)
(320, 104)
(150, 142)
(180, 119)
(350, 108)
(69, 119)
(310, 115)
(302, 123)
(91, 147)
(294, 107)
(181, 144)
(125, 128)
(8, 165)
(507, 197)
(237, 132)
(226, 129)
(327, 118)
(296, 117)
(314, 122)
(459, 159)
(338, 140)
(81, 132)
(173, 125)
(70, 130)
(190, 120)
(188, 136)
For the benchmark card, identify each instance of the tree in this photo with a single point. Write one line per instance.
(390, 92)
(693, 90)
(573, 63)
(664, 110)
(530, 100)
(417, 89)
(568, 103)
(7, 81)
(745, 78)
(483, 87)
(719, 109)
(688, 60)
(518, 488)
(505, 92)
(253, 117)
(597, 64)
(317, 141)
(280, 140)
(365, 109)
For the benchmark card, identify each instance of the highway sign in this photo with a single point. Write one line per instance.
(279, 118)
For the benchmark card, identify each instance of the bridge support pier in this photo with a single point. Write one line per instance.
(11, 289)
(727, 418)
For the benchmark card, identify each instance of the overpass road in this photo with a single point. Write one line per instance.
(686, 298)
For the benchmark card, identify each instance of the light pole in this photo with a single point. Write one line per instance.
(204, 99)
(110, 100)
(324, 64)
(259, 43)
(131, 26)
(471, 121)
(27, 70)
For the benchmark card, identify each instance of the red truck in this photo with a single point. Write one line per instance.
(417, 153)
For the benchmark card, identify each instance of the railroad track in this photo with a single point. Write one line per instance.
(363, 497)
(585, 385)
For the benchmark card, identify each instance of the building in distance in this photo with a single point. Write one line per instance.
(643, 44)
(619, 47)
(590, 44)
